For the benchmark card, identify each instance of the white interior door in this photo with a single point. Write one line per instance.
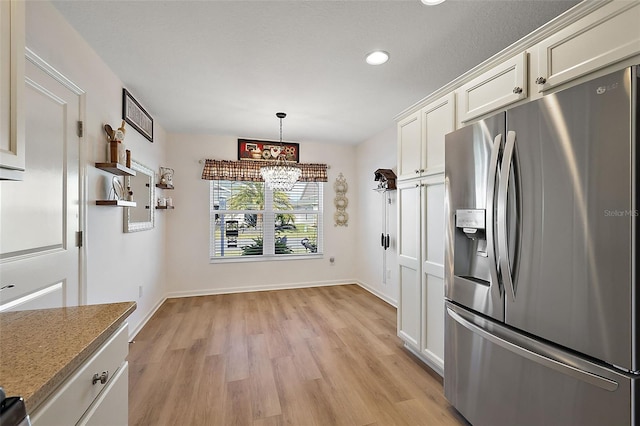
(40, 215)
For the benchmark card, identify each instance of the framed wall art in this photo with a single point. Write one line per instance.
(136, 116)
(255, 150)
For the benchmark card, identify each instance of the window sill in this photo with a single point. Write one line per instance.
(262, 258)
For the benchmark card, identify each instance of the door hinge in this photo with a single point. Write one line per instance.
(81, 129)
(79, 238)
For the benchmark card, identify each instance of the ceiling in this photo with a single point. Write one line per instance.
(226, 67)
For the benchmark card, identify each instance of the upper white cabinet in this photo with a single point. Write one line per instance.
(438, 119)
(410, 146)
(605, 36)
(12, 143)
(421, 138)
(494, 89)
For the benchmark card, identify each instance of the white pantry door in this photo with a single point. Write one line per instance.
(39, 216)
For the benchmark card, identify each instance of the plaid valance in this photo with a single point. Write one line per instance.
(250, 170)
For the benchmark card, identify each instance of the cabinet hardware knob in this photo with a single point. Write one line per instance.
(417, 185)
(417, 171)
(102, 378)
(517, 90)
(541, 80)
(421, 170)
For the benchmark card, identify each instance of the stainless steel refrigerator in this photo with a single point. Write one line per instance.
(542, 255)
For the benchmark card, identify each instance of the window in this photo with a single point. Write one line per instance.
(250, 221)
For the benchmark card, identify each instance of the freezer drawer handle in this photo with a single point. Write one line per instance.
(585, 376)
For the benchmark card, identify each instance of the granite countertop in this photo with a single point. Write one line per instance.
(39, 349)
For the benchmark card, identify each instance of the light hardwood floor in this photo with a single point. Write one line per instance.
(315, 356)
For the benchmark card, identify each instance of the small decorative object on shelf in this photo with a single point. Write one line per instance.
(166, 177)
(164, 203)
(341, 201)
(117, 151)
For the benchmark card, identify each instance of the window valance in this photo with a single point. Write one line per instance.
(250, 171)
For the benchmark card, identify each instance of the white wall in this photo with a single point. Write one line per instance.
(379, 152)
(117, 263)
(189, 271)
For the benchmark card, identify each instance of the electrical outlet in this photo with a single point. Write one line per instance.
(139, 291)
(388, 274)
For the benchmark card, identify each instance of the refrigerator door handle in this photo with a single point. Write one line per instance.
(503, 189)
(569, 370)
(490, 208)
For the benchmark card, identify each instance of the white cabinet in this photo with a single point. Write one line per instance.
(410, 161)
(12, 143)
(421, 263)
(421, 138)
(409, 259)
(96, 394)
(421, 228)
(605, 36)
(494, 89)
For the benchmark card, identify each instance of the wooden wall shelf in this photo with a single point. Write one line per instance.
(116, 203)
(116, 169)
(164, 207)
(164, 186)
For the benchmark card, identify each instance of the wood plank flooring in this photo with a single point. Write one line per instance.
(314, 356)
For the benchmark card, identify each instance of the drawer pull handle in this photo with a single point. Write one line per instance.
(102, 378)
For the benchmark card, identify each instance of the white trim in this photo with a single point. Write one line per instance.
(133, 333)
(32, 57)
(251, 288)
(570, 16)
(378, 294)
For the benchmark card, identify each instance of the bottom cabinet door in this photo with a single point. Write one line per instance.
(111, 408)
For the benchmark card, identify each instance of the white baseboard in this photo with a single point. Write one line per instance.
(247, 289)
(133, 333)
(378, 294)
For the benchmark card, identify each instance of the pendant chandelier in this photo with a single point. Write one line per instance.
(280, 176)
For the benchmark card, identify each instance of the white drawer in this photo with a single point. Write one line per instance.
(70, 401)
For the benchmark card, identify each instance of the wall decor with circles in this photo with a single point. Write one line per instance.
(341, 217)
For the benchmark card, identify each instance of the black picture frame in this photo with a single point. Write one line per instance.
(134, 114)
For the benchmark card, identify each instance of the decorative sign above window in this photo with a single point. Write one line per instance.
(254, 150)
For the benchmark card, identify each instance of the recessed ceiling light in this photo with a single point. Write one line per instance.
(431, 2)
(377, 57)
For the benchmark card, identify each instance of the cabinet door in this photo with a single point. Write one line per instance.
(608, 35)
(438, 119)
(410, 283)
(410, 153)
(496, 88)
(433, 272)
(12, 149)
(111, 408)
